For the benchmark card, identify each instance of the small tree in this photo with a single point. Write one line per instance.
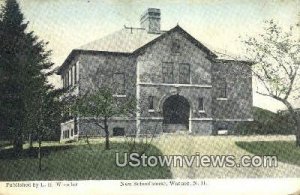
(277, 58)
(100, 106)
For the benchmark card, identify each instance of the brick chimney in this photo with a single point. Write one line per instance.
(150, 20)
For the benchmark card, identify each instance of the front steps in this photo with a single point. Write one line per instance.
(175, 128)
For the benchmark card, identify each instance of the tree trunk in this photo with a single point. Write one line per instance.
(298, 133)
(296, 120)
(18, 143)
(39, 155)
(106, 134)
(30, 141)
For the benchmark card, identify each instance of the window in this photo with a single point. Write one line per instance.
(201, 104)
(117, 131)
(66, 134)
(75, 130)
(175, 46)
(74, 75)
(184, 73)
(119, 83)
(66, 79)
(71, 80)
(222, 88)
(151, 102)
(167, 71)
(72, 132)
(70, 77)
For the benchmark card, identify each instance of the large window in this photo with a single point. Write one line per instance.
(184, 73)
(119, 83)
(167, 72)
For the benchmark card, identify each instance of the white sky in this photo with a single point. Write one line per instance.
(68, 24)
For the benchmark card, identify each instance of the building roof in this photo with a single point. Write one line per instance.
(130, 41)
(126, 40)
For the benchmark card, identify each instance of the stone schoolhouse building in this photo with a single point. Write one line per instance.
(184, 85)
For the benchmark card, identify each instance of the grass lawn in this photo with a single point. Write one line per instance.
(4, 143)
(286, 151)
(76, 161)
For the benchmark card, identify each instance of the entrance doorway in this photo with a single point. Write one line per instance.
(176, 112)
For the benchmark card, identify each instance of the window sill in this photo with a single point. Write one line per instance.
(201, 111)
(222, 99)
(120, 96)
(151, 110)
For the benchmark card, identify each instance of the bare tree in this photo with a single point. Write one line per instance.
(276, 56)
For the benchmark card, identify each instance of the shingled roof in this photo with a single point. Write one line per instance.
(126, 40)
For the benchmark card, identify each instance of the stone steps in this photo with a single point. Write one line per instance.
(172, 128)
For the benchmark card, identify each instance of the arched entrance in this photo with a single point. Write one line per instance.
(176, 112)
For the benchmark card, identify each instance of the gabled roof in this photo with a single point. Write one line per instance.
(131, 41)
(186, 35)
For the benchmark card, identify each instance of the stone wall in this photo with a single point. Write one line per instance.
(237, 106)
(150, 61)
(150, 80)
(97, 70)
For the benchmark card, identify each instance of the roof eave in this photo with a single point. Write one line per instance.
(250, 63)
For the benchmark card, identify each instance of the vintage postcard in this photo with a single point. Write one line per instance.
(149, 97)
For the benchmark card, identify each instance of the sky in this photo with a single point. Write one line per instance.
(68, 24)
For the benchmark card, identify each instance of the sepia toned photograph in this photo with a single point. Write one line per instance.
(149, 97)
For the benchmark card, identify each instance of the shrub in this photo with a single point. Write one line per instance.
(265, 122)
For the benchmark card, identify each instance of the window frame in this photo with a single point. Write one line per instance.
(151, 103)
(222, 89)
